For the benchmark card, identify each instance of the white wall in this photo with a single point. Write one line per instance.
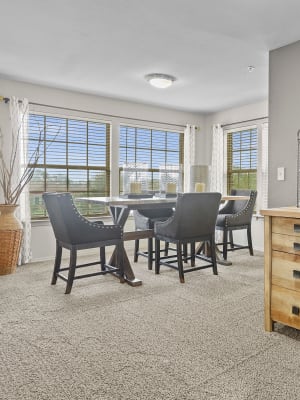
(230, 116)
(42, 237)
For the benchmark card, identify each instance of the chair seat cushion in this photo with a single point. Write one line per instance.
(147, 218)
(148, 223)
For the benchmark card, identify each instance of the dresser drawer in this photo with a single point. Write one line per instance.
(286, 270)
(285, 306)
(286, 226)
(286, 243)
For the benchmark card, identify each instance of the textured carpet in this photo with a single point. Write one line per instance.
(163, 340)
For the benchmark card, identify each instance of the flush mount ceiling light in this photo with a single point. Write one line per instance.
(161, 81)
(251, 68)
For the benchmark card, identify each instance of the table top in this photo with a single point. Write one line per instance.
(236, 198)
(116, 201)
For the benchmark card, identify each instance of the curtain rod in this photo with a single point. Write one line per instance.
(6, 100)
(242, 122)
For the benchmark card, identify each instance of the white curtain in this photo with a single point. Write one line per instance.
(19, 113)
(217, 160)
(189, 154)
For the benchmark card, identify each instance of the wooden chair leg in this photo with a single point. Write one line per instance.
(57, 263)
(231, 239)
(180, 264)
(193, 254)
(157, 256)
(225, 240)
(185, 252)
(150, 253)
(136, 249)
(72, 267)
(249, 240)
(166, 249)
(102, 258)
(213, 256)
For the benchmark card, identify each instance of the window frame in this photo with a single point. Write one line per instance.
(228, 173)
(262, 126)
(151, 170)
(69, 167)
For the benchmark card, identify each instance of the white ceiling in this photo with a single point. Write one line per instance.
(106, 47)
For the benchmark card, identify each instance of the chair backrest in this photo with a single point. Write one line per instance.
(53, 203)
(150, 213)
(155, 213)
(244, 206)
(65, 219)
(195, 215)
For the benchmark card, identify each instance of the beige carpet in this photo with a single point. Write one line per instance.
(164, 340)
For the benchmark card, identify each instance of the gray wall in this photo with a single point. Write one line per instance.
(284, 122)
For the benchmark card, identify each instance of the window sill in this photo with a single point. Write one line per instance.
(258, 216)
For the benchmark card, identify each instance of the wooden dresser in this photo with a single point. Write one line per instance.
(282, 266)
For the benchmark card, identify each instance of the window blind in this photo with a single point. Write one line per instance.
(152, 147)
(247, 154)
(74, 157)
(242, 152)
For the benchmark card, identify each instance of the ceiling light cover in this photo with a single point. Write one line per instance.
(160, 81)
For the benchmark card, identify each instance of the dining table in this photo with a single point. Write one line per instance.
(120, 208)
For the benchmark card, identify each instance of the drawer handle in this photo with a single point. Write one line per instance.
(295, 310)
(297, 246)
(296, 274)
(297, 228)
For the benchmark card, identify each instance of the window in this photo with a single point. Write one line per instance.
(156, 148)
(242, 158)
(247, 160)
(74, 158)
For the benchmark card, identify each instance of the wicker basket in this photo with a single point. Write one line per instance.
(9, 251)
(10, 238)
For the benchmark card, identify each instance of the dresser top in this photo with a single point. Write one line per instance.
(290, 212)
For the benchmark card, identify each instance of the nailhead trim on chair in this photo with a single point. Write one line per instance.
(85, 220)
(235, 216)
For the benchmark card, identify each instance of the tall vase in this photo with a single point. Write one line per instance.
(11, 232)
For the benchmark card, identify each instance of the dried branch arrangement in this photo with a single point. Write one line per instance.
(11, 191)
(12, 187)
